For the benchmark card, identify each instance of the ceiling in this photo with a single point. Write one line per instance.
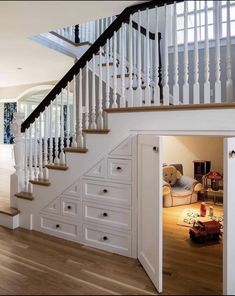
(20, 20)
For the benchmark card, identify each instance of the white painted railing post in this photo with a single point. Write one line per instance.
(107, 99)
(74, 116)
(217, 52)
(147, 89)
(176, 65)
(17, 179)
(130, 59)
(56, 160)
(80, 142)
(40, 164)
(186, 84)
(86, 119)
(156, 63)
(123, 43)
(93, 100)
(229, 82)
(114, 105)
(62, 154)
(68, 127)
(166, 93)
(45, 150)
(196, 86)
(100, 120)
(139, 64)
(206, 60)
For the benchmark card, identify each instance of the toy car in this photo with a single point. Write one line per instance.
(202, 231)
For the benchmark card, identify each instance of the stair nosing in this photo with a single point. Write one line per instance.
(96, 131)
(40, 182)
(76, 150)
(5, 212)
(57, 167)
(25, 195)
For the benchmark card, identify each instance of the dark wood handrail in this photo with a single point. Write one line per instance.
(87, 56)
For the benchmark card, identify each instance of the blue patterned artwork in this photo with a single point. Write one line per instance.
(9, 110)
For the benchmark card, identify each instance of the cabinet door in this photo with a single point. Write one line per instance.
(229, 218)
(150, 207)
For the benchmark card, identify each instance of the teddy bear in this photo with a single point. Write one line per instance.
(171, 175)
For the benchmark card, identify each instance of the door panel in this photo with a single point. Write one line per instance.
(150, 207)
(229, 218)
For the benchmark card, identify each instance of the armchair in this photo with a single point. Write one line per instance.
(177, 188)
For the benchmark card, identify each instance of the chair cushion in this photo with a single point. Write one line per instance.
(180, 191)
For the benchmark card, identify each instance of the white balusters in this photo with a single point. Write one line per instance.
(68, 118)
(87, 97)
(30, 157)
(93, 101)
(196, 86)
(156, 95)
(74, 114)
(45, 150)
(35, 150)
(186, 84)
(166, 93)
(229, 82)
(51, 134)
(80, 134)
(176, 63)
(40, 163)
(206, 60)
(56, 159)
(107, 100)
(139, 64)
(217, 52)
(147, 70)
(26, 176)
(100, 121)
(114, 105)
(130, 59)
(62, 154)
(123, 64)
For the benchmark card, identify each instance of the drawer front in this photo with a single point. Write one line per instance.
(112, 241)
(107, 192)
(70, 207)
(119, 169)
(59, 228)
(106, 215)
(53, 207)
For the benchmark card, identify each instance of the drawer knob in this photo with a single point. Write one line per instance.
(105, 214)
(57, 226)
(105, 190)
(118, 168)
(105, 238)
(69, 207)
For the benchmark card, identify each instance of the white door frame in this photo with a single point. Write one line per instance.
(212, 133)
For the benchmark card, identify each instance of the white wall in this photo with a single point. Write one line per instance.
(185, 149)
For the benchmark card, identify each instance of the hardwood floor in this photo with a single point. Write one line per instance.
(192, 269)
(34, 263)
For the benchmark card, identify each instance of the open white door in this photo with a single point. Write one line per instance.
(229, 217)
(150, 207)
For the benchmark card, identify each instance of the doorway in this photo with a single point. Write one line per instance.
(150, 150)
(192, 266)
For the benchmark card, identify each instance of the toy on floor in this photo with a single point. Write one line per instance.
(202, 231)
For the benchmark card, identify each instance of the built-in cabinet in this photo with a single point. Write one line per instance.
(99, 209)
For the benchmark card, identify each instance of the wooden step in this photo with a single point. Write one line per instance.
(9, 211)
(120, 75)
(104, 64)
(58, 167)
(24, 195)
(75, 150)
(96, 131)
(41, 182)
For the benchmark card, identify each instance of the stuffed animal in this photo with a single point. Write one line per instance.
(171, 174)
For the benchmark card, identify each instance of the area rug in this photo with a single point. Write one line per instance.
(188, 216)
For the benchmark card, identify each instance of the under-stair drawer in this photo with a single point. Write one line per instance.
(70, 207)
(119, 169)
(107, 215)
(107, 192)
(109, 240)
(59, 228)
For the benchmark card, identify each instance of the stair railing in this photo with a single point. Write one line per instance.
(120, 69)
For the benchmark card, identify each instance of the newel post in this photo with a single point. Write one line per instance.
(17, 179)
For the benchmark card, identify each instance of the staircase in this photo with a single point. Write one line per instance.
(122, 71)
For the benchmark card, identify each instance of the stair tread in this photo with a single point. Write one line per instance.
(75, 150)
(96, 131)
(41, 182)
(24, 195)
(9, 211)
(135, 87)
(58, 167)
(105, 64)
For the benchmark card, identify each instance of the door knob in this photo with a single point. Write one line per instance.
(232, 154)
(155, 149)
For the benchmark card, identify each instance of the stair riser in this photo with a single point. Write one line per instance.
(9, 221)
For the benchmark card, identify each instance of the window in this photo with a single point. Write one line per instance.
(201, 20)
